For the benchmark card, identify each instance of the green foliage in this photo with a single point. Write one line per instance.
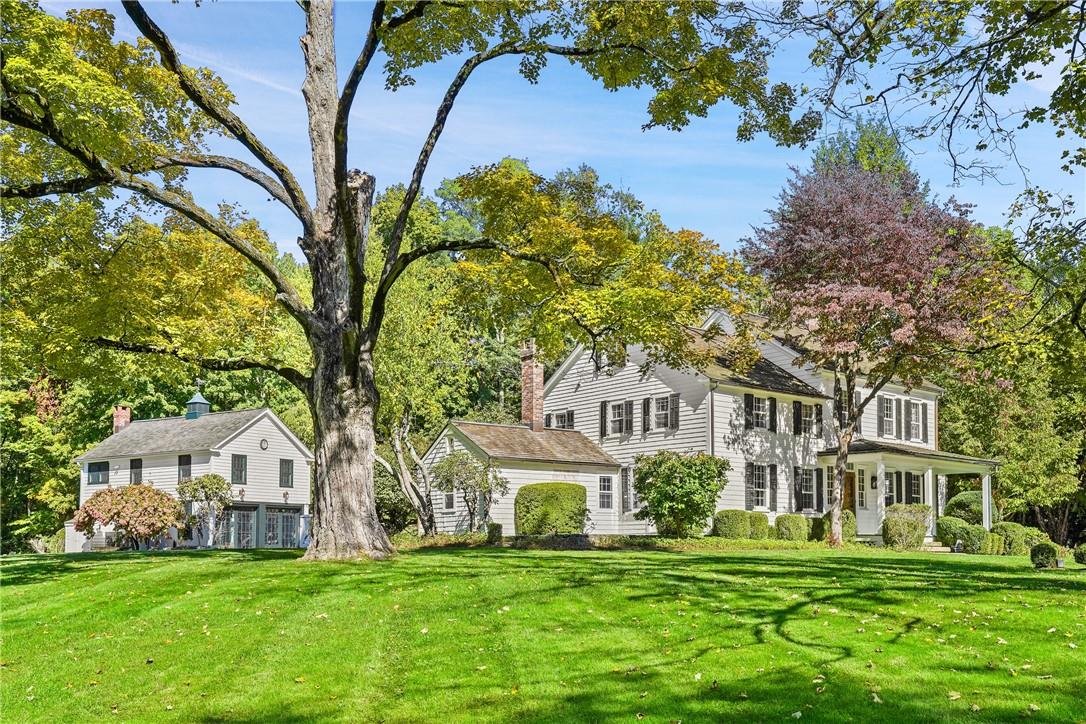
(679, 491)
(949, 530)
(965, 505)
(393, 508)
(792, 526)
(973, 538)
(993, 545)
(205, 494)
(1035, 536)
(550, 509)
(138, 512)
(1080, 554)
(733, 524)
(871, 146)
(1015, 537)
(477, 484)
(906, 525)
(1044, 555)
(820, 527)
(493, 532)
(759, 526)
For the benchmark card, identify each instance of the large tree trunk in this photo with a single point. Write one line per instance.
(345, 522)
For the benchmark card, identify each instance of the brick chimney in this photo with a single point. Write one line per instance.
(531, 387)
(122, 417)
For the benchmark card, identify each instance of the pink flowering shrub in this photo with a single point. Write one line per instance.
(137, 512)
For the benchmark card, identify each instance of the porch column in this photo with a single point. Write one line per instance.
(986, 501)
(928, 492)
(880, 493)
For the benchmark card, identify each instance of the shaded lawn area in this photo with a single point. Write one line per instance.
(493, 634)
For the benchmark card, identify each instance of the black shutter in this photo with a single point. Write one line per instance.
(898, 485)
(797, 417)
(603, 419)
(673, 412)
(646, 414)
(859, 414)
(819, 493)
(908, 426)
(797, 489)
(547, 420)
(773, 488)
(569, 419)
(924, 421)
(749, 482)
(772, 414)
(897, 418)
(818, 419)
(627, 424)
(878, 415)
(748, 411)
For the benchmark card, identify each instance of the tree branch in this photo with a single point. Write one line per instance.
(223, 115)
(222, 364)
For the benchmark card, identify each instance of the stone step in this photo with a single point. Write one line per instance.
(936, 549)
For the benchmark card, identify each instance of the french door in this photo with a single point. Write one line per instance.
(281, 527)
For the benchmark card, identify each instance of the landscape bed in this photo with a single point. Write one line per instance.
(496, 634)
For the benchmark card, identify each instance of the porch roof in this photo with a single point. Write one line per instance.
(893, 448)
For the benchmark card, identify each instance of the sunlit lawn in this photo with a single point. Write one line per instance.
(490, 634)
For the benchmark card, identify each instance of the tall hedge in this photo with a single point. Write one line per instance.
(1014, 538)
(550, 509)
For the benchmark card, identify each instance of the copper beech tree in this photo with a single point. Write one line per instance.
(102, 122)
(874, 282)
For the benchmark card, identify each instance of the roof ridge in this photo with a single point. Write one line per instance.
(205, 414)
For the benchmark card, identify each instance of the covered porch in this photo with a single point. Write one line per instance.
(882, 473)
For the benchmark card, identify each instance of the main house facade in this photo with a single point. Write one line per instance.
(267, 466)
(771, 423)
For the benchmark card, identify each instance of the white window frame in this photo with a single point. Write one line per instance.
(449, 445)
(619, 424)
(561, 420)
(916, 485)
(760, 413)
(95, 477)
(662, 418)
(606, 499)
(759, 486)
(807, 488)
(807, 418)
(915, 423)
(887, 414)
(861, 488)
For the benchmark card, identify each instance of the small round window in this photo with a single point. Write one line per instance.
(264, 444)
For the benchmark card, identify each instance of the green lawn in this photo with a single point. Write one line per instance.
(491, 634)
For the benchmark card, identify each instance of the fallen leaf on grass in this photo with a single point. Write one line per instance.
(299, 679)
(953, 695)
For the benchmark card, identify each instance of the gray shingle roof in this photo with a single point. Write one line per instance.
(172, 434)
(763, 375)
(518, 442)
(867, 446)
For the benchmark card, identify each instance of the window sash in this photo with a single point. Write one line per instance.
(861, 488)
(807, 489)
(618, 418)
(808, 419)
(759, 486)
(887, 417)
(663, 413)
(606, 497)
(135, 470)
(761, 412)
(286, 473)
(239, 469)
(98, 473)
(914, 421)
(184, 467)
(450, 501)
(916, 488)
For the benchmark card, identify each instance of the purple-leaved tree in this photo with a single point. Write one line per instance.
(874, 282)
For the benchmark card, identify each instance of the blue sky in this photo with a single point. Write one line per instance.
(700, 178)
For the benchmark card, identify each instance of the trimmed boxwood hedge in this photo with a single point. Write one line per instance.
(993, 545)
(550, 509)
(734, 524)
(759, 526)
(792, 526)
(1044, 555)
(1015, 537)
(1080, 554)
(906, 525)
(949, 530)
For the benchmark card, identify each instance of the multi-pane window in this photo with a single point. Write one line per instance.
(808, 418)
(239, 469)
(915, 421)
(761, 412)
(916, 488)
(620, 424)
(286, 473)
(807, 489)
(184, 467)
(861, 488)
(889, 483)
(887, 414)
(135, 470)
(663, 413)
(97, 473)
(759, 486)
(563, 420)
(606, 492)
(450, 501)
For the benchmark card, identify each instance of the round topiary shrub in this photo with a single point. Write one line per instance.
(993, 545)
(820, 527)
(1035, 536)
(1080, 554)
(967, 506)
(973, 538)
(550, 509)
(949, 530)
(759, 526)
(1044, 555)
(734, 524)
(906, 526)
(792, 526)
(1015, 538)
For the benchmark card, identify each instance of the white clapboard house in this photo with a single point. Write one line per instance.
(586, 425)
(267, 466)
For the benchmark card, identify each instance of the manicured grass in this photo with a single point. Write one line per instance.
(492, 634)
